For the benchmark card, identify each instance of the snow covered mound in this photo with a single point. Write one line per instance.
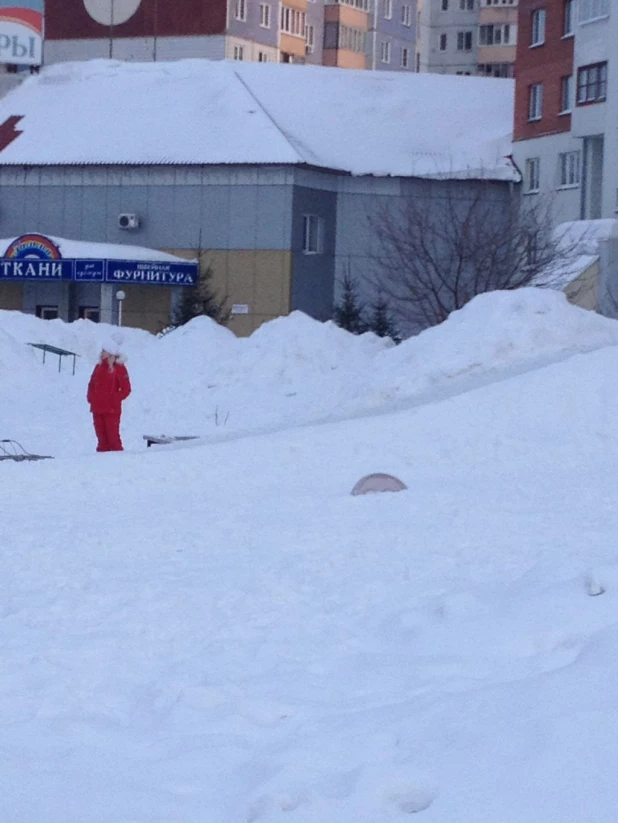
(497, 331)
(224, 633)
(202, 380)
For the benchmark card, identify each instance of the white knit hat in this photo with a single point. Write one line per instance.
(113, 344)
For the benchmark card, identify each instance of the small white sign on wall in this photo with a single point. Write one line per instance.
(240, 308)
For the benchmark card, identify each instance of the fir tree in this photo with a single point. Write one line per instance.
(381, 322)
(349, 313)
(199, 300)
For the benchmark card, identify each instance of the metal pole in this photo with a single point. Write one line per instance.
(111, 29)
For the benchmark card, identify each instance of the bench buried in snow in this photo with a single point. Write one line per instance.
(378, 482)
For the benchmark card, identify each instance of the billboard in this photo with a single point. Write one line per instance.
(21, 32)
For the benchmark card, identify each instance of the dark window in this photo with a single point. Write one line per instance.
(47, 312)
(592, 84)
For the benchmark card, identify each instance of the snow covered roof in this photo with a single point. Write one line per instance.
(85, 250)
(223, 112)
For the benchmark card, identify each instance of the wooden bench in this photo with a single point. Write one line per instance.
(164, 439)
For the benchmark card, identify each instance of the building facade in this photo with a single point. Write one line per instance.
(467, 37)
(238, 166)
(360, 34)
(566, 105)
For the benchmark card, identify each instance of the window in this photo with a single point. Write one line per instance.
(262, 57)
(385, 51)
(48, 312)
(535, 101)
(406, 15)
(388, 9)
(444, 6)
(310, 38)
(293, 21)
(239, 52)
(443, 42)
(91, 313)
(351, 39)
(569, 167)
(593, 10)
(312, 234)
(264, 15)
(241, 10)
(464, 41)
(566, 94)
(538, 27)
(466, 5)
(363, 5)
(405, 58)
(533, 175)
(495, 69)
(592, 83)
(495, 35)
(569, 13)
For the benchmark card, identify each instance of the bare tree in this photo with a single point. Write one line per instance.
(436, 252)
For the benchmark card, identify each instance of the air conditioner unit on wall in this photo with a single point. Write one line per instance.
(128, 221)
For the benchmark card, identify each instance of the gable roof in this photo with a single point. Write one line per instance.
(221, 112)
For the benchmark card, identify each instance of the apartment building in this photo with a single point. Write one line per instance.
(566, 105)
(360, 34)
(467, 37)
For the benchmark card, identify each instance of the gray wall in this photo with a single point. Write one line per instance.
(210, 207)
(235, 208)
(314, 274)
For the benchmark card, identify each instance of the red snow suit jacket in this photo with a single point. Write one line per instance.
(108, 388)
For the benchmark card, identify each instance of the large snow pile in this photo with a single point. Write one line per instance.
(202, 380)
(223, 633)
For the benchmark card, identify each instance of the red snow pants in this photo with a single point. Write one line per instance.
(107, 428)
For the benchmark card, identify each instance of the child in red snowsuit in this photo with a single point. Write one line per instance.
(108, 387)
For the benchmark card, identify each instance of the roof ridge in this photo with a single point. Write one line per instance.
(288, 138)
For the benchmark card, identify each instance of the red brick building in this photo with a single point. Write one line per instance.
(544, 61)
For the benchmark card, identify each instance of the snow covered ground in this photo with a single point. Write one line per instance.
(220, 633)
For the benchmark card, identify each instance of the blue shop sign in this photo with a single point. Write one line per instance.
(152, 273)
(36, 257)
(32, 269)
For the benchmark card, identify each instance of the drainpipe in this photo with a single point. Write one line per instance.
(375, 35)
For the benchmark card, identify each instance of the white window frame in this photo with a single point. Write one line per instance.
(535, 102)
(388, 9)
(313, 234)
(240, 11)
(466, 5)
(293, 22)
(569, 169)
(496, 34)
(310, 38)
(265, 15)
(465, 38)
(406, 15)
(263, 57)
(385, 51)
(568, 22)
(533, 175)
(239, 52)
(566, 94)
(592, 10)
(537, 30)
